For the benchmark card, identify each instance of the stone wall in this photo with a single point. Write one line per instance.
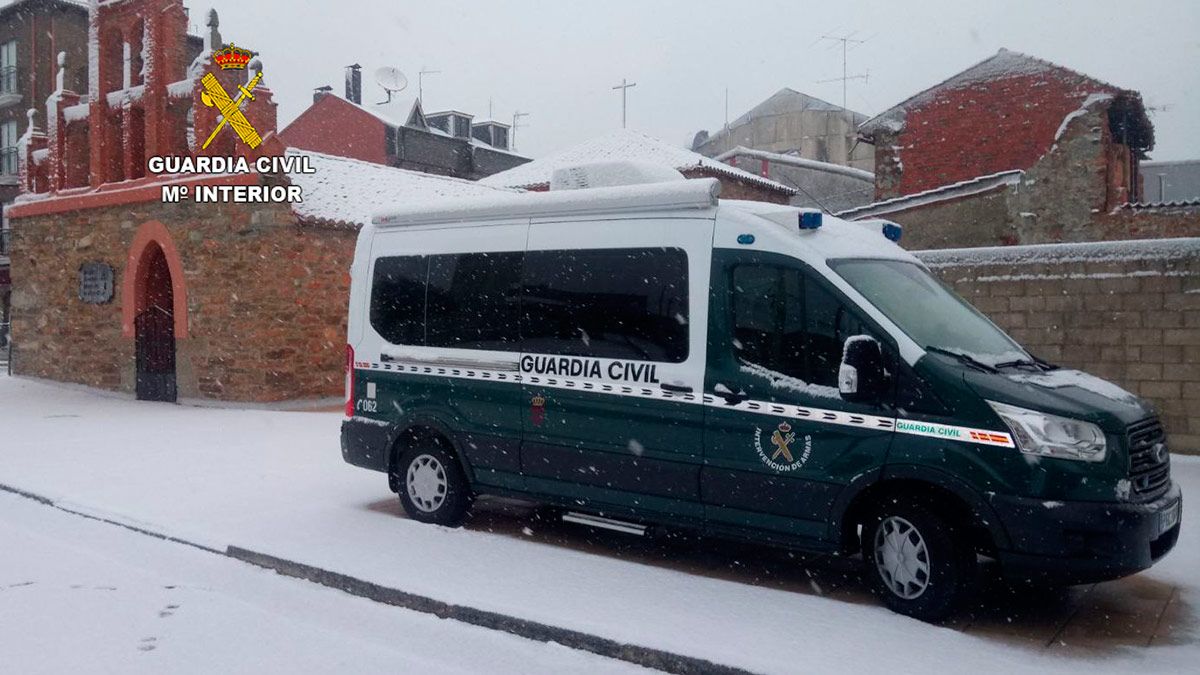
(1126, 311)
(266, 300)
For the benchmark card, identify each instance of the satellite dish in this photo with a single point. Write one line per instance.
(392, 80)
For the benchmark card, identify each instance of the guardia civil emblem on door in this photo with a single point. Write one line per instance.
(783, 451)
(537, 410)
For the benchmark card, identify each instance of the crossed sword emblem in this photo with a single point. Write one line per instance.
(214, 95)
(781, 443)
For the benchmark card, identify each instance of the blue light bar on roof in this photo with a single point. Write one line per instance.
(892, 231)
(810, 220)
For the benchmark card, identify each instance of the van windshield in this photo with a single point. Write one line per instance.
(927, 310)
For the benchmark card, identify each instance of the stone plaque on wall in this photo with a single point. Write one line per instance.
(95, 282)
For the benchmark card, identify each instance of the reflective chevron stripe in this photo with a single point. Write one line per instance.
(820, 415)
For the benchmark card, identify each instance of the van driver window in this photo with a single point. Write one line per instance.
(788, 324)
(611, 303)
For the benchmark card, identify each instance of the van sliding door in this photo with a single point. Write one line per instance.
(612, 363)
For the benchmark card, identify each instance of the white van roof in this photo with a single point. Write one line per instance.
(679, 195)
(835, 238)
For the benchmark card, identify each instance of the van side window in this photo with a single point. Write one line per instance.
(473, 301)
(609, 303)
(398, 299)
(787, 323)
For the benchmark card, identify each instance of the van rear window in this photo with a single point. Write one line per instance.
(609, 303)
(466, 300)
(398, 299)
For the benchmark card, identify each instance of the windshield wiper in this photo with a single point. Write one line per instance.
(1032, 361)
(964, 358)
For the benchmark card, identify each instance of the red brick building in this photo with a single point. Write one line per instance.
(114, 288)
(1013, 150)
(400, 133)
(1003, 113)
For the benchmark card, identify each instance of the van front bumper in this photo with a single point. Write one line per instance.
(1085, 542)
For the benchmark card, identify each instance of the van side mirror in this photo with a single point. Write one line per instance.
(861, 377)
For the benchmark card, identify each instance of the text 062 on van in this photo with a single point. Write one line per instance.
(648, 355)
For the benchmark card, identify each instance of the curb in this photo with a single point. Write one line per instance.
(648, 657)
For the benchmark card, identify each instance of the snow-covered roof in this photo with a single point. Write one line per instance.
(623, 145)
(939, 194)
(349, 191)
(398, 112)
(1003, 64)
(1094, 251)
(1184, 204)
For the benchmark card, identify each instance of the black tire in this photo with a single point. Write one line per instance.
(445, 500)
(950, 569)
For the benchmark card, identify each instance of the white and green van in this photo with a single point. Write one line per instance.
(646, 355)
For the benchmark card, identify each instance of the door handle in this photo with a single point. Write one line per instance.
(675, 388)
(732, 398)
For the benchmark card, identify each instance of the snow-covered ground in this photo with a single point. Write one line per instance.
(274, 482)
(81, 596)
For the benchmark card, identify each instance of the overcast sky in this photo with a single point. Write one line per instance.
(558, 59)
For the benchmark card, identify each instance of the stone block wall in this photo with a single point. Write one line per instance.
(1128, 312)
(266, 300)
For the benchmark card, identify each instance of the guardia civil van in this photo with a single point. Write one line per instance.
(647, 355)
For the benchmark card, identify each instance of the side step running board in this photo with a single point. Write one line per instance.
(605, 523)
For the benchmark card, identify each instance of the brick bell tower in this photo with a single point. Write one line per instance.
(135, 49)
(145, 98)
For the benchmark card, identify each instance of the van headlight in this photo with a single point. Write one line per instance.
(1037, 433)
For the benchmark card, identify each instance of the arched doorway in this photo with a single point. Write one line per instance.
(154, 327)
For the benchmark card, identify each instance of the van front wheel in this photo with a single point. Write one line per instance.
(432, 486)
(918, 562)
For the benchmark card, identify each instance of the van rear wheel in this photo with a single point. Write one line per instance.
(432, 486)
(918, 562)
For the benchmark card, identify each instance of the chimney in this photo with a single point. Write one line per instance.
(320, 92)
(354, 84)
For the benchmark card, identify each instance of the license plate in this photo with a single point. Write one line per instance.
(1169, 518)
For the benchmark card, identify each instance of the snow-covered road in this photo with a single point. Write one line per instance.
(274, 482)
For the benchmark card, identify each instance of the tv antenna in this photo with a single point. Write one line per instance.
(421, 82)
(846, 41)
(392, 80)
(516, 125)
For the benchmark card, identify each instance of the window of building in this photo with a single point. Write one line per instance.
(472, 301)
(462, 126)
(500, 138)
(789, 324)
(8, 67)
(8, 148)
(612, 303)
(398, 299)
